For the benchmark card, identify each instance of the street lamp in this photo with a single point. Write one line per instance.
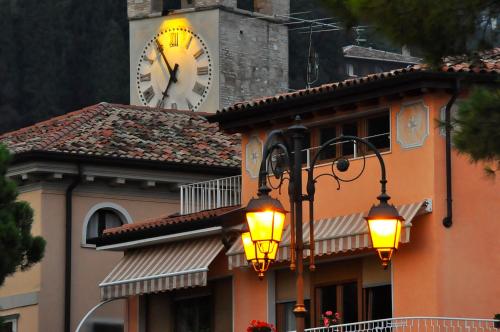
(282, 157)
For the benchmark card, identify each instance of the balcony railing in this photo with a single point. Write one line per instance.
(353, 145)
(211, 194)
(415, 324)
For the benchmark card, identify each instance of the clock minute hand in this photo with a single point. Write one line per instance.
(170, 70)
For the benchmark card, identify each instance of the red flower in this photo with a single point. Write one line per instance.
(328, 313)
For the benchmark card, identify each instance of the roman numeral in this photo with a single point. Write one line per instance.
(189, 42)
(145, 77)
(202, 70)
(199, 88)
(199, 53)
(148, 94)
(190, 106)
(174, 39)
(146, 58)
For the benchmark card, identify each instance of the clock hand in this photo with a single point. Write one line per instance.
(170, 70)
(173, 76)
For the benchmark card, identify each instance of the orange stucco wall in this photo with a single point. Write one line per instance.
(441, 272)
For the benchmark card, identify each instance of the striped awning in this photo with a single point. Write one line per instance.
(161, 268)
(336, 234)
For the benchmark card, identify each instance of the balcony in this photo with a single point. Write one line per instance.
(415, 324)
(211, 194)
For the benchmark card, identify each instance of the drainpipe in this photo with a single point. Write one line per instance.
(448, 220)
(68, 251)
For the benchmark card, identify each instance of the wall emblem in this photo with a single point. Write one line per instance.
(253, 156)
(412, 123)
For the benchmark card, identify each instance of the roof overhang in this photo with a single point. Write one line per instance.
(283, 108)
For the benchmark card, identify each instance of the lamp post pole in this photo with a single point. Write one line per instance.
(297, 131)
(384, 216)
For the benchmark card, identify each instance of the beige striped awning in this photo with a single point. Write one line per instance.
(161, 268)
(336, 234)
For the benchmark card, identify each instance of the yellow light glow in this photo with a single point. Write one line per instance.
(385, 233)
(252, 251)
(266, 225)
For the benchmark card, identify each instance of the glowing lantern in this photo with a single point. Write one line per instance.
(384, 223)
(265, 218)
(259, 260)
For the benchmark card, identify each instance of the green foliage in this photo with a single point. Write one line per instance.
(477, 126)
(50, 59)
(18, 248)
(435, 28)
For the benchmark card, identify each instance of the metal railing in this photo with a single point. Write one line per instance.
(211, 194)
(310, 152)
(414, 324)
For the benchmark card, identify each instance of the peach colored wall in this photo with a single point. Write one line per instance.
(250, 298)
(452, 272)
(28, 317)
(89, 266)
(26, 281)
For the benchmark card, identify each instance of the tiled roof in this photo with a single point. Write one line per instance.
(355, 51)
(132, 132)
(169, 220)
(488, 63)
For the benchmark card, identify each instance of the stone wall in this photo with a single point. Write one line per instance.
(253, 58)
(144, 8)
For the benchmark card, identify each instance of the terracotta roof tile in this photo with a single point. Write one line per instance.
(169, 220)
(135, 132)
(487, 62)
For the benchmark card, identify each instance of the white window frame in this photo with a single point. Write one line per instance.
(12, 319)
(121, 211)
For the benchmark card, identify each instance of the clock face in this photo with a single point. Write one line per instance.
(174, 70)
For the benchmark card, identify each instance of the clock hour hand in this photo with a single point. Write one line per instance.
(173, 76)
(171, 71)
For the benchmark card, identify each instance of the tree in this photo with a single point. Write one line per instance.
(435, 28)
(18, 248)
(477, 127)
(438, 29)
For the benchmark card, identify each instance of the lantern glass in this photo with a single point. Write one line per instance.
(385, 233)
(253, 252)
(266, 226)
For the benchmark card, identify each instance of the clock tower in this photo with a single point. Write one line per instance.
(203, 55)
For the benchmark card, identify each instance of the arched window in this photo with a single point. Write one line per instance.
(101, 217)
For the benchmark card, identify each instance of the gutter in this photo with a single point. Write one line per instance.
(448, 220)
(68, 247)
(121, 162)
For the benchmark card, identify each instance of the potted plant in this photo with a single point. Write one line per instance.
(260, 326)
(330, 319)
(496, 323)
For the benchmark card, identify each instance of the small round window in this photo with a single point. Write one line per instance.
(102, 219)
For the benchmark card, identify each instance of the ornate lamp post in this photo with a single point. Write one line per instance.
(265, 215)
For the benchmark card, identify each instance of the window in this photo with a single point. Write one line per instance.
(341, 298)
(349, 129)
(169, 5)
(193, 315)
(350, 69)
(326, 134)
(377, 131)
(107, 327)
(245, 5)
(285, 318)
(102, 219)
(8, 323)
(377, 302)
